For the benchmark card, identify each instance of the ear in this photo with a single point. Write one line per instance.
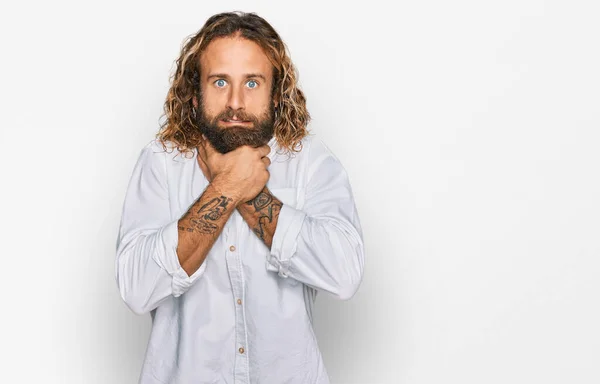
(195, 101)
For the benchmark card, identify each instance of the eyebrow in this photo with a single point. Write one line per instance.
(225, 76)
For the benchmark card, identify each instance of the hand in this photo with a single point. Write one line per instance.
(240, 174)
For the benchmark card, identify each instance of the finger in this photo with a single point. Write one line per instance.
(264, 150)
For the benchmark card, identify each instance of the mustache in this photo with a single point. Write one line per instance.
(228, 114)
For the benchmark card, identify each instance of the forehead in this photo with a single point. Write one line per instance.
(234, 56)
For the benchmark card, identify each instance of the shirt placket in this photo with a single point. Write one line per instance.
(236, 277)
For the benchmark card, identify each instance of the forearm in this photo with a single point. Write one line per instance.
(201, 225)
(261, 215)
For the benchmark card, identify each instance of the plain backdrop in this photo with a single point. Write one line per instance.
(469, 130)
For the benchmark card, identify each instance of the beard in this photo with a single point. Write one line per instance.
(229, 138)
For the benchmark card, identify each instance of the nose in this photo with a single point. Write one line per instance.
(236, 98)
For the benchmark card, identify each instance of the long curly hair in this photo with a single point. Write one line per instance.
(292, 117)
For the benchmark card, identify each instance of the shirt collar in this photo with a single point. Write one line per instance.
(274, 147)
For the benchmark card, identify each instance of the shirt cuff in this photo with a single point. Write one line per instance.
(283, 246)
(169, 261)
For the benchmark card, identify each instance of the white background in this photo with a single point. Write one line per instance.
(469, 129)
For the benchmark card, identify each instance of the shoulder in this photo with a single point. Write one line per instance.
(156, 161)
(318, 158)
(312, 147)
(156, 150)
(316, 150)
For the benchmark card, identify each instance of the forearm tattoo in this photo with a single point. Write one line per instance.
(204, 220)
(268, 210)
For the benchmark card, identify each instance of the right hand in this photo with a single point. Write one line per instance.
(240, 174)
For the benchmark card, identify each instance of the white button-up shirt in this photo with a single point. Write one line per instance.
(245, 316)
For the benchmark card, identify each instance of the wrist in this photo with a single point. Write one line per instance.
(222, 187)
(257, 201)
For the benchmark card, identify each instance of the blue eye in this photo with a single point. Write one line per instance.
(252, 84)
(220, 83)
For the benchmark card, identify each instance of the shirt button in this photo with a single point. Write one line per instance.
(232, 248)
(239, 301)
(241, 350)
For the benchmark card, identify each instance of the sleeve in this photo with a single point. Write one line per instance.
(321, 245)
(147, 266)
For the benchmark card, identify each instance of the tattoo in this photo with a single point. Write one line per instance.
(203, 219)
(267, 208)
(262, 200)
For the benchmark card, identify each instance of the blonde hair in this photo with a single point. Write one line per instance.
(292, 118)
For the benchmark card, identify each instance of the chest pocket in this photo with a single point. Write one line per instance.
(288, 196)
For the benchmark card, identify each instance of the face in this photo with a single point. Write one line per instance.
(235, 105)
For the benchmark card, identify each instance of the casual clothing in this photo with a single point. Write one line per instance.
(245, 316)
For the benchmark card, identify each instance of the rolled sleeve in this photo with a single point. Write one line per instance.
(285, 239)
(170, 262)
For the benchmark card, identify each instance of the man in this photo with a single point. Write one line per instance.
(235, 217)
